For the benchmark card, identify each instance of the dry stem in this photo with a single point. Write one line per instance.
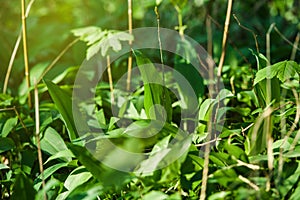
(225, 33)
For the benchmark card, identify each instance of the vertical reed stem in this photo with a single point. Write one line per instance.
(112, 97)
(225, 33)
(37, 136)
(25, 52)
(130, 44)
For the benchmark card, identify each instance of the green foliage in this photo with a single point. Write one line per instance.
(98, 39)
(253, 121)
(155, 92)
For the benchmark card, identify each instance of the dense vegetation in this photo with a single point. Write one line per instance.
(93, 108)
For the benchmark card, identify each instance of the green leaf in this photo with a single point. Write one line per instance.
(91, 164)
(47, 173)
(64, 105)
(157, 99)
(8, 126)
(107, 176)
(282, 70)
(23, 188)
(52, 142)
(77, 178)
(157, 195)
(6, 144)
(3, 166)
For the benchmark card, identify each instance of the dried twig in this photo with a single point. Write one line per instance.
(110, 80)
(37, 135)
(57, 59)
(247, 29)
(25, 52)
(225, 33)
(130, 44)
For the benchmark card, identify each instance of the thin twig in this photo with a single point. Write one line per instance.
(294, 51)
(18, 115)
(245, 180)
(130, 44)
(25, 52)
(57, 59)
(229, 40)
(37, 132)
(247, 29)
(205, 143)
(112, 97)
(225, 34)
(285, 39)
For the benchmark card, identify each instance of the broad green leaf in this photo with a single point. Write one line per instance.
(3, 166)
(47, 173)
(94, 49)
(23, 188)
(64, 106)
(87, 191)
(77, 177)
(105, 175)
(52, 142)
(84, 31)
(85, 158)
(266, 91)
(157, 99)
(219, 195)
(6, 144)
(5, 100)
(157, 195)
(65, 155)
(98, 39)
(283, 70)
(8, 126)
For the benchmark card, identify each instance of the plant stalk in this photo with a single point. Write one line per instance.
(37, 136)
(225, 34)
(110, 80)
(130, 44)
(25, 52)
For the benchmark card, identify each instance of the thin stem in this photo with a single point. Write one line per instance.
(130, 44)
(159, 42)
(294, 51)
(268, 43)
(57, 59)
(209, 36)
(229, 40)
(110, 80)
(11, 62)
(37, 132)
(247, 29)
(25, 52)
(225, 34)
(285, 39)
